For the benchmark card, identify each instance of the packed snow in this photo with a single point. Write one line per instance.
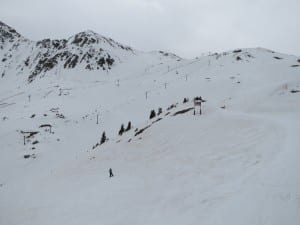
(236, 163)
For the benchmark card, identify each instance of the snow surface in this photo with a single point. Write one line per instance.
(237, 163)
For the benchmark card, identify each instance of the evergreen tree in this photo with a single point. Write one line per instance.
(128, 126)
(103, 138)
(159, 111)
(152, 114)
(121, 131)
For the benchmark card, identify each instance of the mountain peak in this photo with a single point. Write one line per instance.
(7, 33)
(89, 37)
(86, 50)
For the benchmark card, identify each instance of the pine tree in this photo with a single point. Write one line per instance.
(121, 131)
(152, 114)
(103, 138)
(159, 111)
(128, 126)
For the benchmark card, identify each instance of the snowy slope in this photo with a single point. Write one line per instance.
(237, 163)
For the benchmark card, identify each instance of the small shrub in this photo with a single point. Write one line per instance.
(185, 100)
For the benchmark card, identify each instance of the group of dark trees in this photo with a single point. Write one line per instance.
(122, 129)
(153, 113)
(102, 140)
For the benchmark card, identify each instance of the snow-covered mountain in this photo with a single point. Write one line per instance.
(86, 49)
(237, 163)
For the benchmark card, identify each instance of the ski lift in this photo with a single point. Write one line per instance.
(197, 103)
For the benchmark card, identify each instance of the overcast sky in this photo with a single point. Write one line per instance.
(185, 27)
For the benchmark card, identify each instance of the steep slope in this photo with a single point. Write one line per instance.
(237, 163)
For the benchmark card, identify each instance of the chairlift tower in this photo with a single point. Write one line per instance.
(197, 103)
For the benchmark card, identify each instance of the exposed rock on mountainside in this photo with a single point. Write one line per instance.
(87, 50)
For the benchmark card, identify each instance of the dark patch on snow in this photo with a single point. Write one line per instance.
(183, 111)
(171, 107)
(295, 91)
(238, 58)
(71, 61)
(237, 51)
(29, 133)
(35, 142)
(141, 130)
(27, 156)
(60, 115)
(155, 121)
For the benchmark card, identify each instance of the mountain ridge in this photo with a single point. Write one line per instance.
(85, 49)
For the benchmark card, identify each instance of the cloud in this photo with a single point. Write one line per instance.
(187, 28)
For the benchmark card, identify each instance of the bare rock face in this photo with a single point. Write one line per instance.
(7, 34)
(86, 50)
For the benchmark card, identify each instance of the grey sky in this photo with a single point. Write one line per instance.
(185, 27)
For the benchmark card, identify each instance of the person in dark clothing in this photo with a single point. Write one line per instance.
(110, 173)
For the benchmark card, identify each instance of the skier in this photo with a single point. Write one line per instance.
(110, 173)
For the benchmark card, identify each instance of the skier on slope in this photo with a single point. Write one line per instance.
(110, 172)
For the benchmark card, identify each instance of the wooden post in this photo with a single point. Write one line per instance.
(97, 118)
(185, 77)
(29, 97)
(118, 83)
(24, 140)
(146, 94)
(200, 109)
(165, 85)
